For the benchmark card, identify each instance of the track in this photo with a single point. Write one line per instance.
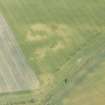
(77, 72)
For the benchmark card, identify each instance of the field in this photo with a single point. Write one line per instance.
(15, 74)
(64, 43)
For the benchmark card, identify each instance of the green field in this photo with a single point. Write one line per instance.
(64, 42)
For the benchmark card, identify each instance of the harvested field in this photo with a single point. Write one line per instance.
(15, 73)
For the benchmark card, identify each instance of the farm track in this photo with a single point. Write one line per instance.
(15, 73)
(77, 73)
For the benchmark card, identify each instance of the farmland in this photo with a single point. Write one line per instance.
(15, 74)
(64, 44)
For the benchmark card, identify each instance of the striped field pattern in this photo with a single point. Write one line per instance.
(15, 73)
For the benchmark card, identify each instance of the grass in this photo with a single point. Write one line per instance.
(61, 40)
